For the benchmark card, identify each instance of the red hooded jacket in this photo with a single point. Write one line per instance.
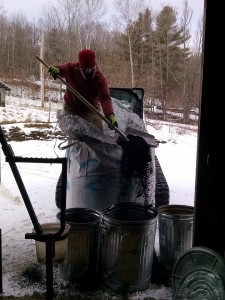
(95, 90)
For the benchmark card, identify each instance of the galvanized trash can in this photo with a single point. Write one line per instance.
(128, 246)
(175, 232)
(82, 258)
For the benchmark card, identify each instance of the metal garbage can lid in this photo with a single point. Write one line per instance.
(199, 274)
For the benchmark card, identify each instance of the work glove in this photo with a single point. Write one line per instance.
(53, 71)
(112, 120)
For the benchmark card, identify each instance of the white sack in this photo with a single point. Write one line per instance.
(93, 176)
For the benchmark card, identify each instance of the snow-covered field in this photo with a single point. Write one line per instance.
(177, 158)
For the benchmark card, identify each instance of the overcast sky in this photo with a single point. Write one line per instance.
(34, 9)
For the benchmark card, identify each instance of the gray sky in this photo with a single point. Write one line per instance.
(34, 9)
(196, 5)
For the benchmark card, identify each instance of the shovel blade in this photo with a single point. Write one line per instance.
(149, 138)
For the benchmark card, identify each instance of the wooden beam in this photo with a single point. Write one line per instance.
(209, 223)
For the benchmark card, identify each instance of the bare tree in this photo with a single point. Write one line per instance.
(71, 15)
(169, 55)
(185, 24)
(57, 41)
(195, 65)
(78, 19)
(92, 11)
(128, 11)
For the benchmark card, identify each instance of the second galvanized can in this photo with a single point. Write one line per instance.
(175, 232)
(82, 259)
(128, 247)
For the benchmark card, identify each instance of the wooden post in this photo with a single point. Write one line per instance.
(42, 71)
(1, 288)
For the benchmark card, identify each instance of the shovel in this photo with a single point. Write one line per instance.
(147, 137)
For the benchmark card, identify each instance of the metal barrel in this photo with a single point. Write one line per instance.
(82, 258)
(128, 247)
(175, 232)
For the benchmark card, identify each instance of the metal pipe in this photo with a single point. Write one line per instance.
(9, 155)
(39, 235)
(49, 268)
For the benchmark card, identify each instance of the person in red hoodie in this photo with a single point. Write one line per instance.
(86, 78)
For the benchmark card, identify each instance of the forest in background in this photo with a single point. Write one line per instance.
(140, 48)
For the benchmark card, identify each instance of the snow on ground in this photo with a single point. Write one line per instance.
(177, 158)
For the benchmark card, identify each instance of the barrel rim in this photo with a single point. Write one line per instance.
(130, 205)
(175, 210)
(82, 210)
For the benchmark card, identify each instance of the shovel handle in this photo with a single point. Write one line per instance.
(79, 96)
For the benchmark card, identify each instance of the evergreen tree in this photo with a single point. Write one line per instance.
(169, 39)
